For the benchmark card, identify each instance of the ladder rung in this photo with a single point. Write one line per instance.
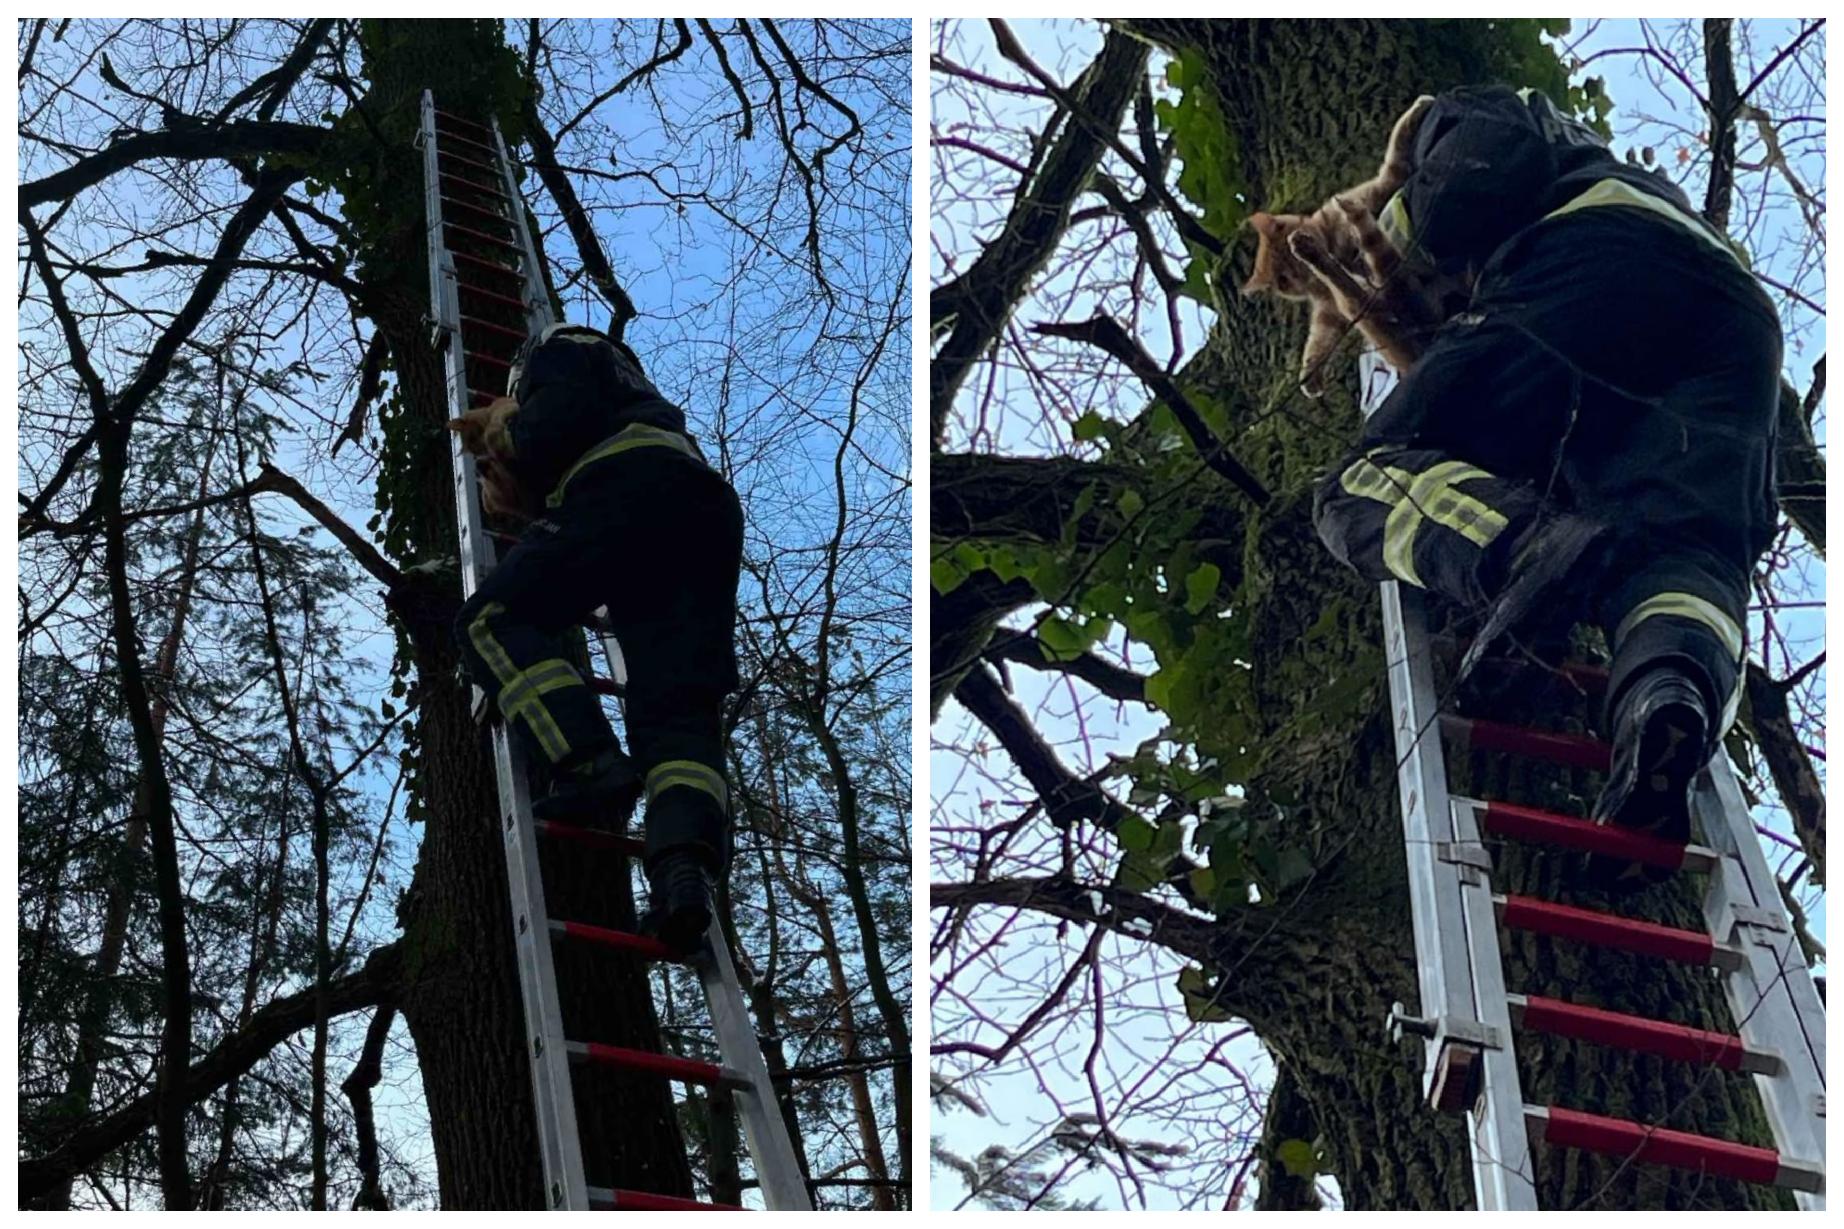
(464, 160)
(476, 357)
(620, 940)
(455, 136)
(471, 186)
(1546, 917)
(1678, 1042)
(488, 264)
(684, 1070)
(645, 1201)
(480, 236)
(477, 322)
(594, 838)
(1721, 1158)
(1546, 827)
(452, 118)
(488, 294)
(492, 215)
(1571, 750)
(606, 687)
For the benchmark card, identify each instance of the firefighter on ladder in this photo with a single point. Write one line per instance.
(635, 520)
(1593, 438)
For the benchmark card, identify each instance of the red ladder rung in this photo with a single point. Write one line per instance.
(1566, 1128)
(620, 940)
(684, 1070)
(477, 322)
(474, 356)
(1678, 1042)
(488, 294)
(471, 186)
(487, 264)
(607, 1198)
(1570, 750)
(593, 838)
(452, 118)
(480, 236)
(455, 136)
(606, 687)
(1546, 917)
(491, 215)
(464, 160)
(1546, 827)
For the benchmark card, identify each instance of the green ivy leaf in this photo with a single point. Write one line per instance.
(1088, 428)
(945, 575)
(1060, 639)
(1199, 992)
(1130, 503)
(1201, 587)
(1135, 834)
(1298, 1158)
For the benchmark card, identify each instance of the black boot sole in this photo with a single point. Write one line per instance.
(1650, 793)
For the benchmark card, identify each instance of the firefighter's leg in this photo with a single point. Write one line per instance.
(1455, 479)
(509, 634)
(676, 622)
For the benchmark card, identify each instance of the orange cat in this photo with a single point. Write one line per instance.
(1339, 260)
(483, 435)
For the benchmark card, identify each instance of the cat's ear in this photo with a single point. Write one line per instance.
(1265, 224)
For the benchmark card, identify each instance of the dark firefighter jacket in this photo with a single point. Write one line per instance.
(577, 390)
(1491, 161)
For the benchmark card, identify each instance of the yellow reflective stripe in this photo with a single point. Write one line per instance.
(1430, 495)
(1684, 606)
(537, 717)
(688, 773)
(634, 435)
(1619, 192)
(523, 696)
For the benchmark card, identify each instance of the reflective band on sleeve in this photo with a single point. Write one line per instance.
(634, 435)
(1430, 495)
(1619, 192)
(691, 774)
(1684, 606)
(513, 681)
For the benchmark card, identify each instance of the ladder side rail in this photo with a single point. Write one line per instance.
(765, 1132)
(1772, 995)
(1455, 927)
(552, 1090)
(1443, 963)
(538, 315)
(1503, 1171)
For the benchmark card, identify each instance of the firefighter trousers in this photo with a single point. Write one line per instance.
(1611, 364)
(656, 537)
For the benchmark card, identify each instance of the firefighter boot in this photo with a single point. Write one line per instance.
(680, 892)
(600, 791)
(1551, 559)
(1661, 739)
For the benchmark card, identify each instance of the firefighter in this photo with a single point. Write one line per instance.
(1593, 435)
(636, 520)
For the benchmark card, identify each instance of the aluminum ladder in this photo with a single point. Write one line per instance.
(1468, 1015)
(487, 296)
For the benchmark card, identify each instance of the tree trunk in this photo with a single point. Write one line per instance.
(1290, 93)
(460, 997)
(1303, 109)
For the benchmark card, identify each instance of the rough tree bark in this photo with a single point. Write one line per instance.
(460, 996)
(1305, 105)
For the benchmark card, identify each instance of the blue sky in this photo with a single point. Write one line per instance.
(1020, 1100)
(727, 327)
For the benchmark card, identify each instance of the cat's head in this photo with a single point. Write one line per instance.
(1277, 269)
(483, 428)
